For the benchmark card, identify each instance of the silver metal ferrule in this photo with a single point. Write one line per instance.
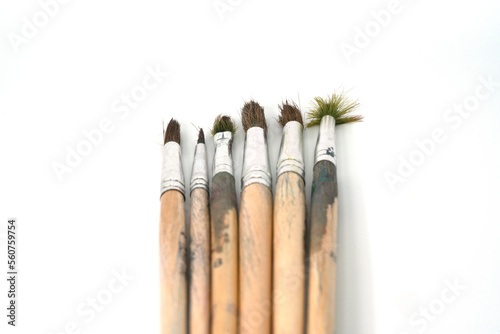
(223, 160)
(325, 146)
(256, 159)
(291, 156)
(199, 174)
(172, 177)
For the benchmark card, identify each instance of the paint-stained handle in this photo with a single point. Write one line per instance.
(288, 254)
(224, 254)
(173, 277)
(323, 250)
(256, 227)
(199, 303)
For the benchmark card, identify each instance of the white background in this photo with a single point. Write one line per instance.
(398, 246)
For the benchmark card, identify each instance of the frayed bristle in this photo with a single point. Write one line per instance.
(289, 112)
(252, 114)
(201, 137)
(173, 132)
(337, 105)
(223, 123)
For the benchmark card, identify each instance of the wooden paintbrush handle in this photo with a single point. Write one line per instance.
(288, 254)
(256, 226)
(224, 257)
(173, 263)
(199, 304)
(323, 250)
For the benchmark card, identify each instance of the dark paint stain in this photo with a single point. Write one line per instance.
(290, 190)
(333, 256)
(223, 200)
(181, 260)
(324, 194)
(217, 263)
(330, 152)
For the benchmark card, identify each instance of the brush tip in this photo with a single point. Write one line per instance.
(201, 137)
(173, 132)
(223, 123)
(337, 105)
(252, 114)
(289, 112)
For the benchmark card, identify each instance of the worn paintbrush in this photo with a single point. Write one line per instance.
(224, 231)
(334, 110)
(199, 247)
(289, 226)
(256, 225)
(173, 236)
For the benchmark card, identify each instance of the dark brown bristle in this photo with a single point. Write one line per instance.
(201, 137)
(173, 132)
(289, 112)
(252, 114)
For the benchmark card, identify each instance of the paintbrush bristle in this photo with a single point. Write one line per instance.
(223, 123)
(336, 105)
(173, 132)
(289, 112)
(201, 137)
(252, 114)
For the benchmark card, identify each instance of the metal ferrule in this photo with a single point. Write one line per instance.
(199, 174)
(325, 146)
(291, 156)
(223, 160)
(255, 159)
(172, 177)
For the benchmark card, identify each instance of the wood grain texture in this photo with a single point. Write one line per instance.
(256, 226)
(288, 254)
(224, 255)
(323, 250)
(173, 277)
(199, 250)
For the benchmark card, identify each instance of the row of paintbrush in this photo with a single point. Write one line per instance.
(247, 267)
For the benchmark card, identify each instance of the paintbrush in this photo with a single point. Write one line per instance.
(172, 236)
(336, 109)
(256, 225)
(199, 247)
(289, 226)
(224, 228)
